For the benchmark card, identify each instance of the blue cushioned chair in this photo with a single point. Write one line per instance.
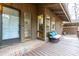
(51, 36)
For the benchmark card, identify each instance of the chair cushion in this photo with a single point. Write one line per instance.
(56, 33)
(53, 33)
(57, 36)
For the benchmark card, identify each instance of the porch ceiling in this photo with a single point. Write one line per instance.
(58, 9)
(60, 12)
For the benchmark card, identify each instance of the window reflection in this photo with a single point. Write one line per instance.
(10, 23)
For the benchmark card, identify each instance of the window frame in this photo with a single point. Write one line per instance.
(13, 40)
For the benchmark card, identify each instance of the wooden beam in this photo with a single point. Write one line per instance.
(64, 11)
(58, 11)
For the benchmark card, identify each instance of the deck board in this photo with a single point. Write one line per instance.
(64, 47)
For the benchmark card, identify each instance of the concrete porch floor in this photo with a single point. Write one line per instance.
(66, 47)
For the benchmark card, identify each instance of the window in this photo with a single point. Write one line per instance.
(10, 23)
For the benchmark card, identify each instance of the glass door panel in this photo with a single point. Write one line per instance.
(53, 24)
(10, 23)
(27, 25)
(40, 27)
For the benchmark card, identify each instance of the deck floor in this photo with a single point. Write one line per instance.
(65, 47)
(18, 49)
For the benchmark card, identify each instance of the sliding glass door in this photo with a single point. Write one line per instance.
(10, 24)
